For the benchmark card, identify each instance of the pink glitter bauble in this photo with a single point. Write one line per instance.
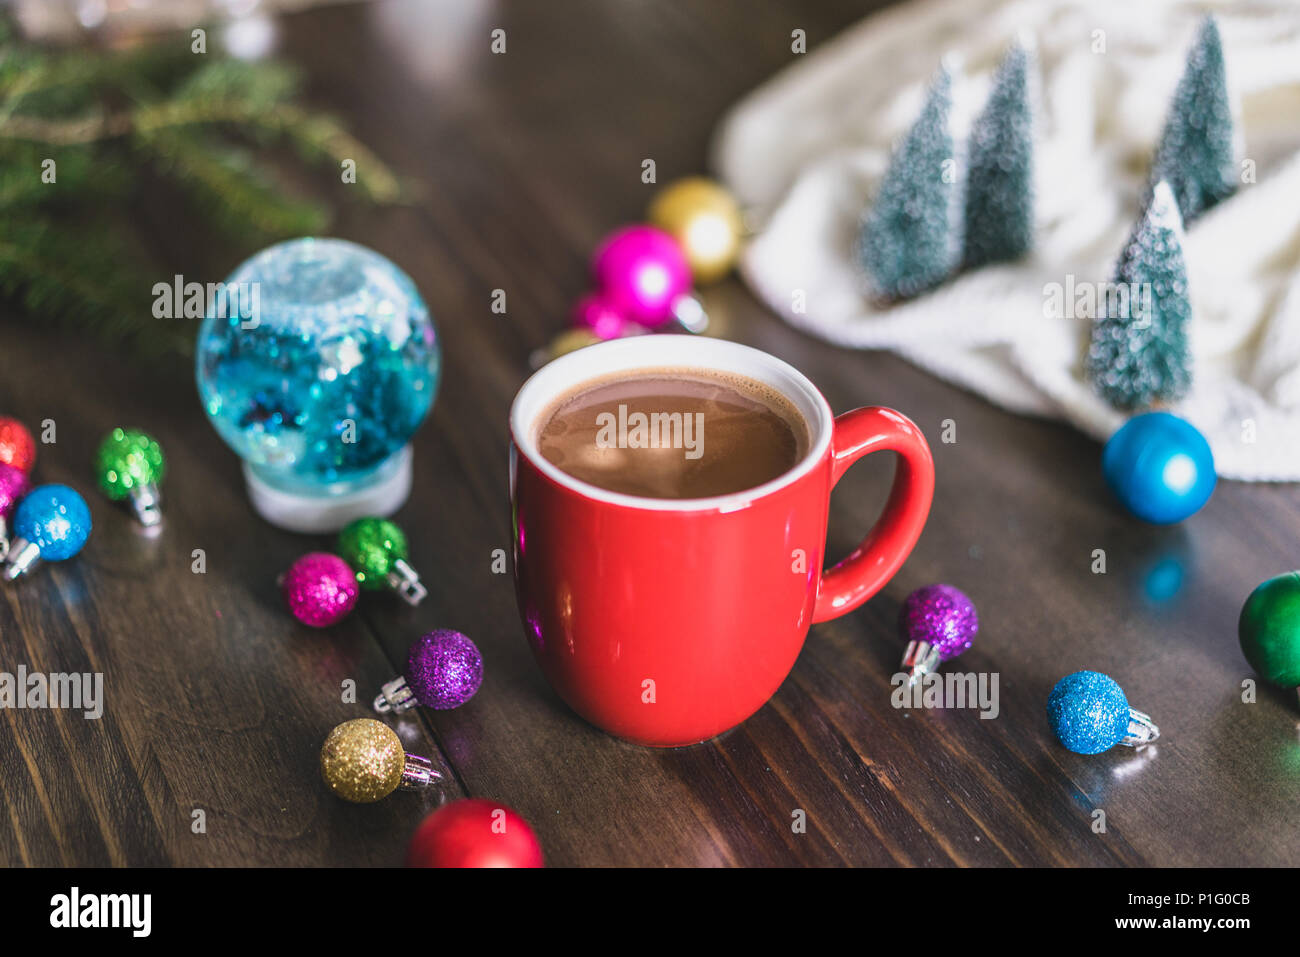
(941, 615)
(642, 273)
(597, 313)
(320, 589)
(13, 486)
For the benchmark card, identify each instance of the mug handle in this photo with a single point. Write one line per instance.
(866, 569)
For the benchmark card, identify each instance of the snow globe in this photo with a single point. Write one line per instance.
(316, 362)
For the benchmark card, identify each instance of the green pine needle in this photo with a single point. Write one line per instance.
(228, 187)
(114, 125)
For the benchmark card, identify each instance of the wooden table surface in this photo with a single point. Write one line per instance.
(217, 700)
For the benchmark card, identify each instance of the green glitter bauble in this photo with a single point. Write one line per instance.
(371, 546)
(1269, 630)
(128, 459)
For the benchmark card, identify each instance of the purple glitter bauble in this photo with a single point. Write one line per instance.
(13, 486)
(320, 589)
(941, 615)
(444, 669)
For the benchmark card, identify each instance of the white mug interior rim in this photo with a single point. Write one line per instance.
(668, 352)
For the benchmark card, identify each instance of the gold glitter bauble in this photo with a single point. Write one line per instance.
(705, 220)
(572, 341)
(362, 760)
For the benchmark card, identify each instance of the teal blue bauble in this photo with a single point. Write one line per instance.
(316, 362)
(1160, 467)
(1089, 712)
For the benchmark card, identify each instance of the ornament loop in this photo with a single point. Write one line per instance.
(22, 557)
(396, 696)
(689, 313)
(1141, 730)
(146, 502)
(919, 660)
(404, 580)
(418, 773)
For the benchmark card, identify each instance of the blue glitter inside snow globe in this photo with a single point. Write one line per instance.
(316, 363)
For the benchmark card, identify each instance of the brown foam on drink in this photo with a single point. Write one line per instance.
(751, 432)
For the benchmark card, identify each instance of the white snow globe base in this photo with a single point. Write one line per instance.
(329, 512)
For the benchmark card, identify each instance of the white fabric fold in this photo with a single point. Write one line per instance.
(806, 150)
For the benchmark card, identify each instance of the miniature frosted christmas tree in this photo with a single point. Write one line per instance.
(1196, 151)
(1139, 354)
(999, 222)
(910, 236)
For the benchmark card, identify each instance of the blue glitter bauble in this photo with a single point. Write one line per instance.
(1160, 467)
(55, 519)
(1088, 711)
(317, 364)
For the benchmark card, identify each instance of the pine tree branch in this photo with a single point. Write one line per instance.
(78, 286)
(231, 190)
(313, 134)
(106, 120)
(79, 131)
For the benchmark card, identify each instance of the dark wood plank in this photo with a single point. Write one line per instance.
(217, 700)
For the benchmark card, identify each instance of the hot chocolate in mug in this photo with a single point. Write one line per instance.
(668, 621)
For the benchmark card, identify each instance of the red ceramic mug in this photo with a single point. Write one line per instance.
(668, 621)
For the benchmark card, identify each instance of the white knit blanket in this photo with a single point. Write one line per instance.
(807, 148)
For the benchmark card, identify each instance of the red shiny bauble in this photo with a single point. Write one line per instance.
(17, 447)
(474, 833)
